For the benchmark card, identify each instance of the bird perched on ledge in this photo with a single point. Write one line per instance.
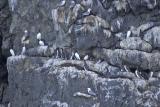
(25, 38)
(77, 56)
(12, 52)
(62, 3)
(91, 92)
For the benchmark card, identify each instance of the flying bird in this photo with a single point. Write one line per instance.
(12, 52)
(77, 56)
(91, 92)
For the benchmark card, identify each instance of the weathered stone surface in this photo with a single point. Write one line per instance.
(130, 57)
(33, 84)
(152, 36)
(135, 43)
(37, 79)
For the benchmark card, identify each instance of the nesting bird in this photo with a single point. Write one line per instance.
(138, 73)
(12, 52)
(88, 12)
(129, 33)
(62, 3)
(39, 36)
(41, 43)
(126, 68)
(151, 74)
(25, 38)
(23, 50)
(77, 56)
(86, 57)
(91, 92)
(57, 53)
(72, 4)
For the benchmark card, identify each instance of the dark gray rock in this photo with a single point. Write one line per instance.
(131, 57)
(51, 82)
(152, 36)
(135, 43)
(37, 79)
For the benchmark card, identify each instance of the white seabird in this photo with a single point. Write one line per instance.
(25, 38)
(39, 36)
(62, 3)
(88, 12)
(151, 74)
(77, 56)
(12, 52)
(126, 68)
(41, 43)
(128, 33)
(57, 53)
(72, 4)
(91, 92)
(137, 73)
(86, 57)
(23, 50)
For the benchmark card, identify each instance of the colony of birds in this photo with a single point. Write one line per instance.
(59, 52)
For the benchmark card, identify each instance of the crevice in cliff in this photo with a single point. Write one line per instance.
(5, 19)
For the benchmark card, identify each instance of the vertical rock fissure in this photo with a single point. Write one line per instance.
(5, 17)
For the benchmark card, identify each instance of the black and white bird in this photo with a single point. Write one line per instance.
(77, 56)
(88, 12)
(90, 92)
(62, 3)
(23, 50)
(12, 52)
(25, 38)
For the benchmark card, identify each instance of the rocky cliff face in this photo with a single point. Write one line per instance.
(122, 34)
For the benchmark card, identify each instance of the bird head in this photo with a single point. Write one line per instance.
(88, 89)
